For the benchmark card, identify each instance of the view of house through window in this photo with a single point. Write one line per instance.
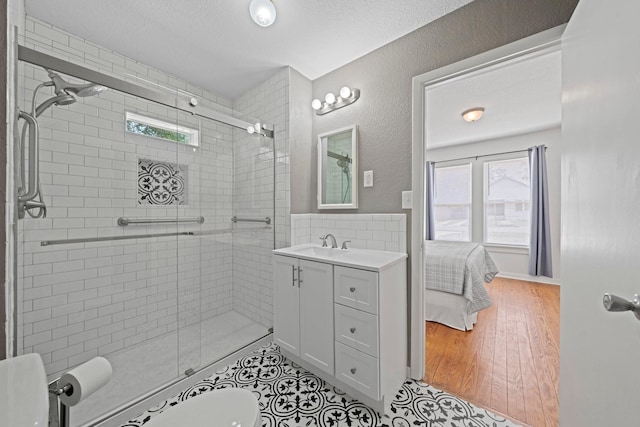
(507, 202)
(452, 203)
(161, 129)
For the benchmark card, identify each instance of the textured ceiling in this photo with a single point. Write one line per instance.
(214, 44)
(518, 97)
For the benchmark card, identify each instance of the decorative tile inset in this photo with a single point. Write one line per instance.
(291, 396)
(162, 183)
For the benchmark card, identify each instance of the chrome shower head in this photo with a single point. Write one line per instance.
(64, 99)
(82, 90)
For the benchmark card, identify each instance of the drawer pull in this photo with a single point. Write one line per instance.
(293, 275)
(353, 370)
(352, 289)
(352, 330)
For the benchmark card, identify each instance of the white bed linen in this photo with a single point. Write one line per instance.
(448, 309)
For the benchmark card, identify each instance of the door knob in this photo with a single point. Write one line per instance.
(616, 303)
(352, 289)
(352, 330)
(353, 370)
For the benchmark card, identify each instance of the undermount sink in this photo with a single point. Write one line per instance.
(359, 258)
(321, 251)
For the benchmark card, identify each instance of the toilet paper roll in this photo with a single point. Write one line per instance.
(85, 379)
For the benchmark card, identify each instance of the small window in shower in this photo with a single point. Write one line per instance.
(161, 129)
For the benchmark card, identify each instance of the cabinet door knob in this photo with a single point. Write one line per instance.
(352, 289)
(353, 330)
(353, 370)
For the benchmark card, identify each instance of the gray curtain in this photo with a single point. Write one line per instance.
(540, 240)
(429, 227)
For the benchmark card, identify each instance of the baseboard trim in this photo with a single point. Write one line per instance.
(527, 278)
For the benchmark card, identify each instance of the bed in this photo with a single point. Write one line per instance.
(455, 274)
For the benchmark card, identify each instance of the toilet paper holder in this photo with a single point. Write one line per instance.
(58, 411)
(74, 385)
(67, 388)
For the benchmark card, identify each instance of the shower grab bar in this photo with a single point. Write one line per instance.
(266, 220)
(132, 236)
(34, 164)
(126, 221)
(110, 238)
(26, 200)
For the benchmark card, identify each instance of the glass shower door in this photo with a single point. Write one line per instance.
(87, 284)
(138, 259)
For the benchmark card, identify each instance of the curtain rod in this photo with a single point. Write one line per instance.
(486, 155)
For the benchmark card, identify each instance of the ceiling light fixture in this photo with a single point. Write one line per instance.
(473, 114)
(263, 12)
(331, 102)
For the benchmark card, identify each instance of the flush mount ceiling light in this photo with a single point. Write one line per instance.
(331, 102)
(473, 114)
(263, 12)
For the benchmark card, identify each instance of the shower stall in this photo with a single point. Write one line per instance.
(144, 229)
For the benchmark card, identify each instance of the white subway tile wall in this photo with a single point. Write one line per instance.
(383, 232)
(80, 300)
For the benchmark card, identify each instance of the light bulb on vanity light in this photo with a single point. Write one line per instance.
(316, 104)
(330, 98)
(345, 92)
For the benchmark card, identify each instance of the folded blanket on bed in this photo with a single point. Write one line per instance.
(461, 269)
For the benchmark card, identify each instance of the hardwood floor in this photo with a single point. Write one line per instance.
(509, 362)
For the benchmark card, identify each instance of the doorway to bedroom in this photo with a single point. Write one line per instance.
(491, 328)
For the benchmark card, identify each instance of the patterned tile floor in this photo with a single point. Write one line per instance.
(291, 396)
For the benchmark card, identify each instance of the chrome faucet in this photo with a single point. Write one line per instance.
(334, 244)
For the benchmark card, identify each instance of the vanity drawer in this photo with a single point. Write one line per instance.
(356, 288)
(357, 369)
(356, 329)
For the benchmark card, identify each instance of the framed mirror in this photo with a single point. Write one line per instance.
(338, 169)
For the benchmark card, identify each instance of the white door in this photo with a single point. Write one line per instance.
(600, 351)
(286, 305)
(316, 314)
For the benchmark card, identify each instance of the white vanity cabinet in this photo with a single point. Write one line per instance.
(303, 310)
(343, 316)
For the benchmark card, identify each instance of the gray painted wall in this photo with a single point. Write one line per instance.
(383, 112)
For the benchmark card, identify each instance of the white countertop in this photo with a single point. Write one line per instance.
(365, 259)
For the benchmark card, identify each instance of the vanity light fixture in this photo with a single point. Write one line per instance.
(331, 102)
(473, 114)
(263, 12)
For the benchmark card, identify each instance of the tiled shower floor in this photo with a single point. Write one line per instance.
(158, 361)
(291, 396)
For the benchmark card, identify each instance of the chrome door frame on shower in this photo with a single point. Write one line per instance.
(181, 103)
